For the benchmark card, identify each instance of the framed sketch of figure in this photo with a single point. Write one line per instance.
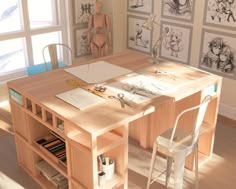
(82, 9)
(138, 38)
(140, 6)
(176, 42)
(178, 9)
(81, 43)
(220, 13)
(218, 53)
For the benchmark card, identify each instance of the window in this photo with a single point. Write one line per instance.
(26, 26)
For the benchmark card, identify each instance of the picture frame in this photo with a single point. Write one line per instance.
(82, 9)
(174, 10)
(220, 14)
(218, 53)
(82, 47)
(176, 42)
(138, 38)
(140, 6)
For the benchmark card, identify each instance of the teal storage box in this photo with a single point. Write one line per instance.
(17, 97)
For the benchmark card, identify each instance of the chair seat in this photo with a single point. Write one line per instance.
(40, 68)
(182, 142)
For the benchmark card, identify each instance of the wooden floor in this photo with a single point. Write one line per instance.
(217, 173)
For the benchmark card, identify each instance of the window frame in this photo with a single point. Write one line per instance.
(63, 27)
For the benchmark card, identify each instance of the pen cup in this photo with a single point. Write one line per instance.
(101, 178)
(109, 170)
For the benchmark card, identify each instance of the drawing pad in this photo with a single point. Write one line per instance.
(97, 72)
(80, 98)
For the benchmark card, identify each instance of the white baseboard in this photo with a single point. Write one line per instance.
(227, 111)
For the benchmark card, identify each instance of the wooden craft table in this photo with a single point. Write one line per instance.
(104, 128)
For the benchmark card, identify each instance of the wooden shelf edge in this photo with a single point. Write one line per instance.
(44, 182)
(111, 146)
(115, 182)
(108, 141)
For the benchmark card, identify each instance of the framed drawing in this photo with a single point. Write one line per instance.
(218, 53)
(138, 38)
(81, 44)
(140, 6)
(178, 9)
(220, 13)
(176, 42)
(82, 9)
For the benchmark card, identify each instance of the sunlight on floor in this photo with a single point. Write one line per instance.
(6, 180)
(214, 162)
(4, 103)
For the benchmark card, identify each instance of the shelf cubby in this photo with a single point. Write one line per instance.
(36, 129)
(59, 124)
(37, 110)
(50, 173)
(28, 104)
(117, 155)
(47, 117)
(58, 166)
(53, 147)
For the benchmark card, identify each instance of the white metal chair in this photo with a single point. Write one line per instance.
(53, 50)
(177, 144)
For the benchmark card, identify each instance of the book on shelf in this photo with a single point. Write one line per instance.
(47, 170)
(60, 181)
(54, 147)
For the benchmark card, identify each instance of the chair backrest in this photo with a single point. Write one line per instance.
(53, 50)
(198, 120)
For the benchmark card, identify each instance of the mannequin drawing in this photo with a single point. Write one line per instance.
(99, 32)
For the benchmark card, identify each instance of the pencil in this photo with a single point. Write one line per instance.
(96, 93)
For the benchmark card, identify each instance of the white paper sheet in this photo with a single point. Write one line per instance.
(80, 98)
(141, 88)
(97, 72)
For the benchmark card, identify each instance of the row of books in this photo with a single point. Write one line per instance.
(55, 146)
(52, 175)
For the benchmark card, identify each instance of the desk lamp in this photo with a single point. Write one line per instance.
(149, 24)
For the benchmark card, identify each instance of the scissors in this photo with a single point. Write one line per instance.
(120, 97)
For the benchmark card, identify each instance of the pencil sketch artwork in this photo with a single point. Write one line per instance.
(141, 88)
(218, 54)
(139, 38)
(176, 43)
(182, 9)
(141, 6)
(5, 14)
(82, 10)
(82, 46)
(220, 12)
